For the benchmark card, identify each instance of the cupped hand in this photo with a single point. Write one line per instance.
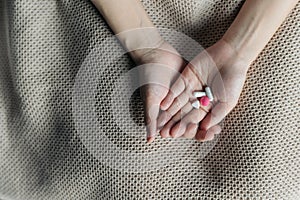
(161, 67)
(222, 69)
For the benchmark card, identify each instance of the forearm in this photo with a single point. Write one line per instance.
(255, 24)
(130, 22)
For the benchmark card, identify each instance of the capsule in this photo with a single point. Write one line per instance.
(209, 94)
(199, 94)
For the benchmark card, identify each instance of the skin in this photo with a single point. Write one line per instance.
(233, 54)
(224, 73)
(227, 60)
(153, 94)
(139, 36)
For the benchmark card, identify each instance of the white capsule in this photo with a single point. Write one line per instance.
(209, 94)
(199, 94)
(196, 104)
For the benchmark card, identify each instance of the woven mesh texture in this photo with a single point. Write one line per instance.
(42, 47)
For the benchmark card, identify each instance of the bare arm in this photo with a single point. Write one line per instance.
(130, 22)
(255, 24)
(133, 27)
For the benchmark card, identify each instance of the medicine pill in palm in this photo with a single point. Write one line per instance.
(199, 94)
(196, 104)
(209, 94)
(204, 101)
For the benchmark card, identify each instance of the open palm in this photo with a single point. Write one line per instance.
(218, 67)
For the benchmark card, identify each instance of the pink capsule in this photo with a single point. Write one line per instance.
(204, 101)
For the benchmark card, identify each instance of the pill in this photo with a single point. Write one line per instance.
(204, 101)
(209, 94)
(196, 104)
(199, 94)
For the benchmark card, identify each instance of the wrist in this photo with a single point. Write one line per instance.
(241, 48)
(138, 42)
(226, 57)
(235, 55)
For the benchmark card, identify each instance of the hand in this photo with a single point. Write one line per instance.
(162, 67)
(224, 71)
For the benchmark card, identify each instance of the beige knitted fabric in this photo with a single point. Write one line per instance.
(43, 46)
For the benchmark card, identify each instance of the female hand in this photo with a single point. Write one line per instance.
(162, 67)
(248, 34)
(224, 71)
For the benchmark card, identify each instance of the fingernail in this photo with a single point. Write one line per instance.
(174, 133)
(209, 136)
(162, 107)
(149, 139)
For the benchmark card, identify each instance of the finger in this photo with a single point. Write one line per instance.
(151, 111)
(177, 104)
(163, 118)
(177, 88)
(208, 135)
(191, 131)
(215, 116)
(195, 116)
(165, 131)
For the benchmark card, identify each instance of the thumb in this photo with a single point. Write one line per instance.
(215, 116)
(151, 111)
